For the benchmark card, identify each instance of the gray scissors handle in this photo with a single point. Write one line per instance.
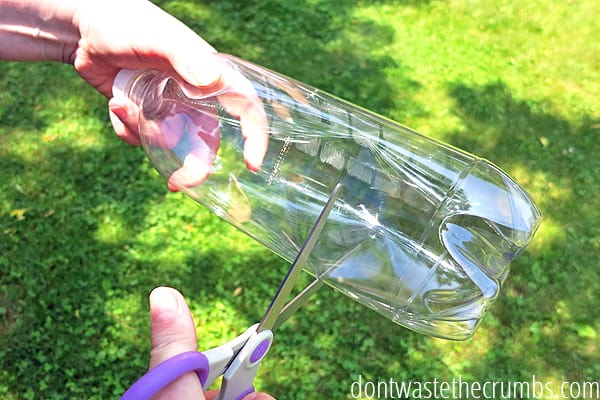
(238, 379)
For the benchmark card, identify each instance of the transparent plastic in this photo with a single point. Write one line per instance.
(422, 232)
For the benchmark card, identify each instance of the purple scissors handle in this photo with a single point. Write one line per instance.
(237, 361)
(166, 372)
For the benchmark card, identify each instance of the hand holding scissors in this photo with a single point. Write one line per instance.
(237, 361)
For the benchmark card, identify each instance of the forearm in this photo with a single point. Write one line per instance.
(36, 30)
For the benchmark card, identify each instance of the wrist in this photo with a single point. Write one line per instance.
(42, 30)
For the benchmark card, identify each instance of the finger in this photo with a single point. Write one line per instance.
(188, 55)
(202, 143)
(194, 171)
(123, 115)
(212, 394)
(243, 103)
(211, 73)
(201, 67)
(256, 139)
(173, 332)
(258, 396)
(121, 130)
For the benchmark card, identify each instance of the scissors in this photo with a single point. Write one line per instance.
(238, 360)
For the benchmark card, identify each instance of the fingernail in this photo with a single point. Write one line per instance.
(253, 156)
(163, 304)
(115, 119)
(117, 110)
(253, 165)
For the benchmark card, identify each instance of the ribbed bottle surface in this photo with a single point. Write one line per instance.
(421, 232)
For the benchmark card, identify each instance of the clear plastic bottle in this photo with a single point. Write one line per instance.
(422, 232)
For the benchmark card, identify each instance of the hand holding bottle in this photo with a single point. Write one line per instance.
(174, 48)
(101, 38)
(193, 133)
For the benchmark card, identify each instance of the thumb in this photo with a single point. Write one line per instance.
(173, 332)
(200, 67)
(124, 118)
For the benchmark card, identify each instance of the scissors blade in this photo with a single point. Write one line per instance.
(294, 305)
(270, 318)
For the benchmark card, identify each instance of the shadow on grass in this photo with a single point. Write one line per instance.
(321, 43)
(59, 341)
(64, 334)
(20, 88)
(57, 275)
(58, 285)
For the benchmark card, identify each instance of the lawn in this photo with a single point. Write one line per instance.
(88, 228)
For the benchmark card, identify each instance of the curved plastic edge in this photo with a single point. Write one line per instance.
(166, 372)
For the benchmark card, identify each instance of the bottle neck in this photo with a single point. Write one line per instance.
(138, 87)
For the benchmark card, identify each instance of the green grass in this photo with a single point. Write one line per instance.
(87, 228)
